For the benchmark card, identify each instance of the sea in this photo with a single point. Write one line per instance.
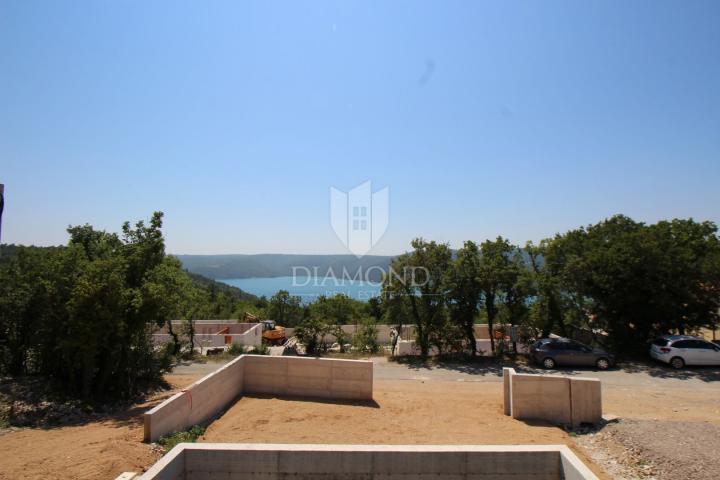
(307, 288)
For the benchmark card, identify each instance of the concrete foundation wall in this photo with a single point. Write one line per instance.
(369, 462)
(553, 398)
(309, 377)
(292, 376)
(198, 403)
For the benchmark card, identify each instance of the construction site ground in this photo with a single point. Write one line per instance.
(454, 403)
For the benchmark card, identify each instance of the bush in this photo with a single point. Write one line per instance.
(261, 349)
(365, 339)
(311, 334)
(188, 436)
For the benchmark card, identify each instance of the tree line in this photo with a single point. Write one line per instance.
(81, 314)
(627, 280)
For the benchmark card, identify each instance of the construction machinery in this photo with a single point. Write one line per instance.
(272, 334)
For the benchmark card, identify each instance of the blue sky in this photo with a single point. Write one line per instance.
(235, 118)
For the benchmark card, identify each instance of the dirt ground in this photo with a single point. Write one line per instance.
(414, 404)
(419, 412)
(101, 449)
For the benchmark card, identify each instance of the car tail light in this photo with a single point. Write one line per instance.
(665, 350)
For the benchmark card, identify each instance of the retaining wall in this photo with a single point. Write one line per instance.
(554, 398)
(368, 462)
(291, 376)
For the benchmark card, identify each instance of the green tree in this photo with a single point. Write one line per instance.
(640, 280)
(495, 272)
(516, 293)
(285, 309)
(415, 284)
(465, 291)
(339, 309)
(312, 332)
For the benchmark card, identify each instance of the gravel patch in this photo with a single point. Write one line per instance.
(655, 449)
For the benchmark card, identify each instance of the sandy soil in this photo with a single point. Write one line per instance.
(100, 449)
(416, 412)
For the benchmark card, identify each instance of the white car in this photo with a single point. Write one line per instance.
(681, 350)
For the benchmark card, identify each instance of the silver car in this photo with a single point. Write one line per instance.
(681, 350)
(550, 352)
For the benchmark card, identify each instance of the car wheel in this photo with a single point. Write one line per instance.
(677, 363)
(602, 364)
(549, 363)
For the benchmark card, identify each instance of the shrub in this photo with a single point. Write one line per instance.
(261, 349)
(365, 339)
(188, 436)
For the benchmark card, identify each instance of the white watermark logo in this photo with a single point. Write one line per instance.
(359, 217)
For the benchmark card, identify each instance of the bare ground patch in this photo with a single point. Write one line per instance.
(655, 449)
(67, 442)
(403, 412)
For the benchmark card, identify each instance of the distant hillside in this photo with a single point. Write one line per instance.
(209, 284)
(279, 265)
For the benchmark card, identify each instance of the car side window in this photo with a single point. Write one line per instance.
(704, 345)
(556, 346)
(682, 344)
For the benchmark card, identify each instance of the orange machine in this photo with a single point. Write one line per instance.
(272, 334)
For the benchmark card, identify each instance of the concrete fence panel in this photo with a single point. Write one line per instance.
(557, 399)
(541, 397)
(586, 400)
